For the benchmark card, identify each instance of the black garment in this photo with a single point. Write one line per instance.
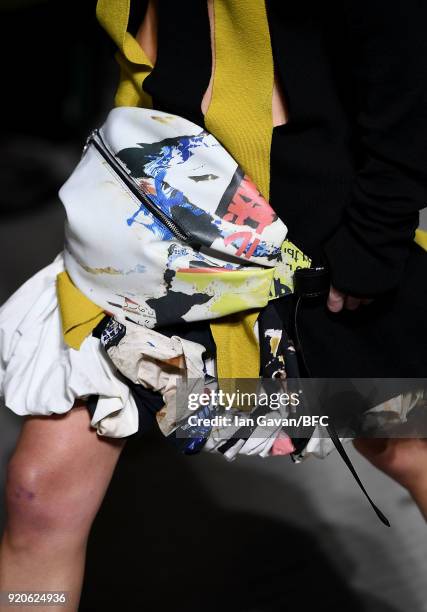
(355, 158)
(348, 170)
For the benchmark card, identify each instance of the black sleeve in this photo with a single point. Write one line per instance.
(367, 253)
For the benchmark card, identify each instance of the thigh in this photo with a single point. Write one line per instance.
(60, 461)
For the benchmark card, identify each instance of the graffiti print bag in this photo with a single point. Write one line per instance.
(163, 226)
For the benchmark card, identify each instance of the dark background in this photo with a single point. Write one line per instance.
(186, 533)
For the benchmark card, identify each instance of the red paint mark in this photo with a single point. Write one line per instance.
(252, 248)
(249, 205)
(203, 270)
(246, 239)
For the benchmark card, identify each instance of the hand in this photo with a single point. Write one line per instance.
(338, 300)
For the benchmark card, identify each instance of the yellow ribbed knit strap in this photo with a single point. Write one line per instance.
(240, 111)
(421, 238)
(113, 15)
(237, 346)
(240, 116)
(79, 315)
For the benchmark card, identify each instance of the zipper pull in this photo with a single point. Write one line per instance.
(88, 142)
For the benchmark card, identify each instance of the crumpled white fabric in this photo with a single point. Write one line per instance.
(160, 363)
(41, 375)
(259, 442)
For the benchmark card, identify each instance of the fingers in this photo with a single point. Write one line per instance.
(337, 300)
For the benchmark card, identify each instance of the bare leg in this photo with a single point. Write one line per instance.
(57, 478)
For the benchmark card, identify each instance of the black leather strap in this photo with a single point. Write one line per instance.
(337, 442)
(311, 282)
(314, 282)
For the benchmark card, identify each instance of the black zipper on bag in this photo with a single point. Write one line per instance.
(97, 141)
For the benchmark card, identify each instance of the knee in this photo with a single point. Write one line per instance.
(40, 505)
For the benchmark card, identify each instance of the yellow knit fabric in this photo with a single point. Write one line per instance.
(78, 314)
(113, 15)
(240, 111)
(421, 238)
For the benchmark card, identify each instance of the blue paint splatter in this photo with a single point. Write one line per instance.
(165, 196)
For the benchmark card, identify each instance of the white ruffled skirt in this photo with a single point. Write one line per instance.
(41, 375)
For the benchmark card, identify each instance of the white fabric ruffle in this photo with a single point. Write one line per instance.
(158, 362)
(41, 375)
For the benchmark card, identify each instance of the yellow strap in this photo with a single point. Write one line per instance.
(421, 238)
(240, 116)
(240, 113)
(237, 346)
(78, 314)
(113, 15)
